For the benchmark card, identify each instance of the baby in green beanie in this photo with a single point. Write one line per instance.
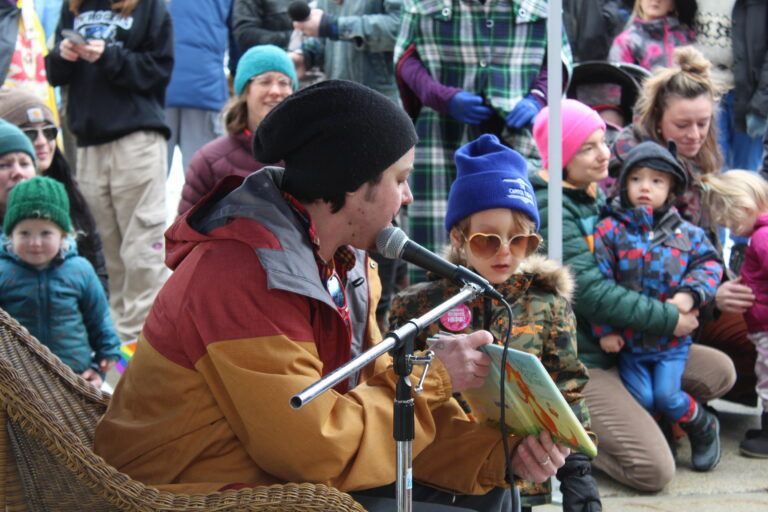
(47, 287)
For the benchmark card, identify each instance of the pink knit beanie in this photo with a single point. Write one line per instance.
(578, 123)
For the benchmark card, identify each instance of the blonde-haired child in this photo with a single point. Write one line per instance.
(739, 200)
(492, 219)
(47, 287)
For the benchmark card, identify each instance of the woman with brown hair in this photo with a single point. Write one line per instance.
(265, 76)
(677, 105)
(117, 58)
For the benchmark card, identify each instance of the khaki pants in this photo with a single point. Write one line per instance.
(124, 184)
(631, 447)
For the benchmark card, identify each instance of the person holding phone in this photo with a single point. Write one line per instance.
(117, 75)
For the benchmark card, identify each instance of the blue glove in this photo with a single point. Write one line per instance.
(524, 112)
(468, 108)
(755, 125)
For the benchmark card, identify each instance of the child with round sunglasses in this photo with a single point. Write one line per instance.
(492, 218)
(645, 245)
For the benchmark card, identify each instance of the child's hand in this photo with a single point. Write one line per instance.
(611, 343)
(682, 301)
(106, 364)
(93, 377)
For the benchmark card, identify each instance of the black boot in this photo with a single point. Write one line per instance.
(755, 443)
(704, 432)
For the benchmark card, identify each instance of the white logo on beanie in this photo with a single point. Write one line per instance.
(520, 192)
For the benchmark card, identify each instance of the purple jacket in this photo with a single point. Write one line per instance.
(754, 273)
(229, 154)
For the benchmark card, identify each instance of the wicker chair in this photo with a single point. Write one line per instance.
(47, 420)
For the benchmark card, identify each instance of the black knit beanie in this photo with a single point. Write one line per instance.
(333, 136)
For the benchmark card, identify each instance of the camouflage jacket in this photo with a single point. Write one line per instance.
(543, 323)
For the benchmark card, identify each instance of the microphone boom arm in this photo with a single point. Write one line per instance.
(410, 328)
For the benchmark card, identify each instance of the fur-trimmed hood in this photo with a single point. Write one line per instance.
(545, 273)
(549, 275)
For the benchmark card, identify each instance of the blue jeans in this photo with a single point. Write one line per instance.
(654, 380)
(740, 151)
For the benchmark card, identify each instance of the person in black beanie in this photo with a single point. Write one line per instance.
(271, 290)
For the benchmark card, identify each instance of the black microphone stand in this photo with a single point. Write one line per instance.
(400, 342)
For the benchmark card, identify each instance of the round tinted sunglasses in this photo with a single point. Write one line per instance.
(49, 132)
(486, 245)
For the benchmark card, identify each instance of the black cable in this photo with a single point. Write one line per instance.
(503, 398)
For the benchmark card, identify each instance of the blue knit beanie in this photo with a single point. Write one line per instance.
(13, 140)
(261, 59)
(489, 175)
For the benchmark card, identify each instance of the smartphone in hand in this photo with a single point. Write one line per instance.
(73, 36)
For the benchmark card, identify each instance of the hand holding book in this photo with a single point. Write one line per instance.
(534, 404)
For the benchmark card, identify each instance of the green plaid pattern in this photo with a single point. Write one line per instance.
(495, 50)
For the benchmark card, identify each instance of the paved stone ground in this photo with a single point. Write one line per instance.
(737, 484)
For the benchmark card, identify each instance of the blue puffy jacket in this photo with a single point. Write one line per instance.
(63, 306)
(200, 38)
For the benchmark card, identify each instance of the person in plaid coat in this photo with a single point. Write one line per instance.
(480, 68)
(646, 246)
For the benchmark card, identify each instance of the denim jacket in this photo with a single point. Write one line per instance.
(357, 42)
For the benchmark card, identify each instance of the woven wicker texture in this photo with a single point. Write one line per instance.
(47, 419)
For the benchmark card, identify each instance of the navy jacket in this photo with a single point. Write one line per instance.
(201, 36)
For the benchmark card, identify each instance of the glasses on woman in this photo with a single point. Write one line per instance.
(49, 132)
(487, 245)
(266, 82)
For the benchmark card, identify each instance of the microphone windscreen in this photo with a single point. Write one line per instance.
(298, 10)
(390, 242)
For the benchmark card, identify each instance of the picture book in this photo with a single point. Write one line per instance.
(533, 401)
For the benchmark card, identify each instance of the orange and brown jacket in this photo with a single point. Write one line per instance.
(243, 324)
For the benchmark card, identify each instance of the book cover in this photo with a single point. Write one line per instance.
(533, 401)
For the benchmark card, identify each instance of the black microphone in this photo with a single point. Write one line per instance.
(299, 11)
(393, 243)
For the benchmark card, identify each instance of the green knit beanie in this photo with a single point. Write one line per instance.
(37, 198)
(261, 59)
(12, 139)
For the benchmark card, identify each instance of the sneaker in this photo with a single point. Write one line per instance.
(755, 443)
(756, 447)
(704, 433)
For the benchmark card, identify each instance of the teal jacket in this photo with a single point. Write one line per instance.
(63, 306)
(598, 300)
